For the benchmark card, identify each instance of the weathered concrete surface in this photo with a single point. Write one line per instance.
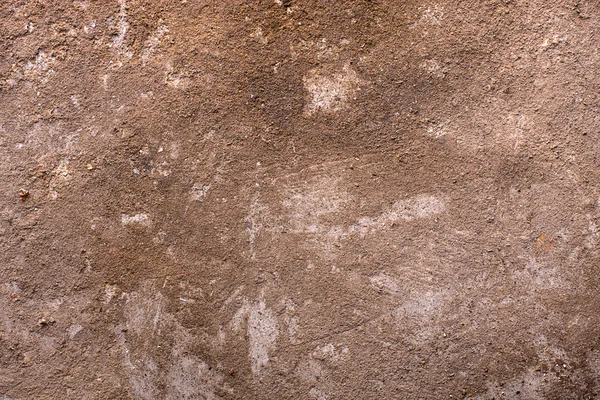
(299, 200)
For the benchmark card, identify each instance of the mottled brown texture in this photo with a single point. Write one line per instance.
(299, 199)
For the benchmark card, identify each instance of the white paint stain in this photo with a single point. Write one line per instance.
(259, 36)
(317, 394)
(254, 224)
(199, 191)
(190, 378)
(262, 331)
(292, 325)
(539, 275)
(530, 385)
(384, 283)
(432, 15)
(122, 26)
(419, 312)
(40, 69)
(181, 375)
(434, 68)
(330, 352)
(73, 330)
(153, 41)
(110, 291)
(313, 207)
(421, 206)
(291, 320)
(62, 170)
(329, 93)
(593, 363)
(137, 219)
(556, 39)
(310, 371)
(176, 80)
(309, 204)
(60, 177)
(87, 29)
(421, 307)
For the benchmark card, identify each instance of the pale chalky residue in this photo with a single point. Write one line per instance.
(420, 206)
(329, 93)
(262, 332)
(137, 219)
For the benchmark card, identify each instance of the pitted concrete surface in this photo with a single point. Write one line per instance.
(299, 199)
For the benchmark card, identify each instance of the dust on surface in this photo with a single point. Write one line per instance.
(303, 200)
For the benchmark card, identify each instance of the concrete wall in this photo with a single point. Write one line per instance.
(299, 199)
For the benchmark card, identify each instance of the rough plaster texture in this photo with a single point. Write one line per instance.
(299, 199)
